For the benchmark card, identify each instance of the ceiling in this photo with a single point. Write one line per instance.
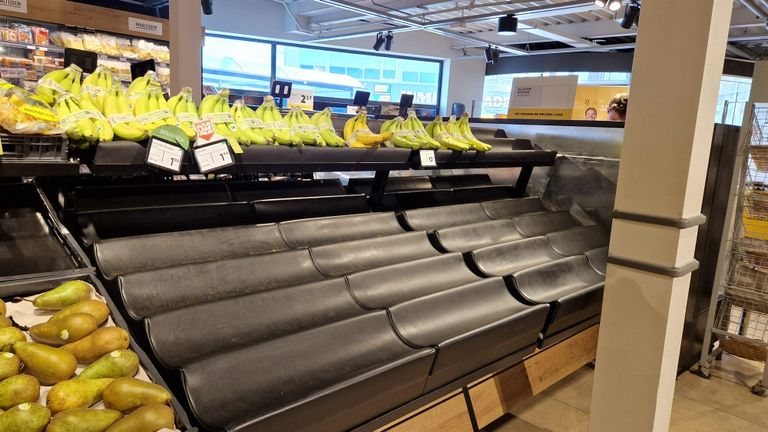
(545, 26)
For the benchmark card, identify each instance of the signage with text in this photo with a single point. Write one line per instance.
(542, 97)
(14, 5)
(302, 98)
(144, 26)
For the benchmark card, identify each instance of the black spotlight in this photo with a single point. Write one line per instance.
(496, 55)
(207, 7)
(631, 15)
(388, 41)
(379, 41)
(489, 54)
(507, 25)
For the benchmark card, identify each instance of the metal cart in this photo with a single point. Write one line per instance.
(738, 314)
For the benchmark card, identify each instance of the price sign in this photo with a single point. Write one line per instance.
(304, 99)
(427, 158)
(211, 157)
(164, 155)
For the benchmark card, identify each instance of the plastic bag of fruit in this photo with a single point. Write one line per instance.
(21, 112)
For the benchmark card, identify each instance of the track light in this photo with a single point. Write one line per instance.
(496, 55)
(489, 54)
(207, 6)
(379, 41)
(613, 5)
(600, 3)
(388, 40)
(507, 25)
(631, 15)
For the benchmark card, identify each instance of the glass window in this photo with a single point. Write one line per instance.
(410, 76)
(355, 72)
(338, 70)
(372, 74)
(427, 77)
(732, 100)
(388, 74)
(236, 64)
(308, 67)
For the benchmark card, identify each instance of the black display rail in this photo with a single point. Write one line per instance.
(127, 158)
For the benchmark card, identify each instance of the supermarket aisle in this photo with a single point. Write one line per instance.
(721, 404)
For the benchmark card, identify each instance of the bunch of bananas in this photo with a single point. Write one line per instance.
(249, 128)
(357, 133)
(463, 128)
(216, 108)
(322, 121)
(55, 83)
(449, 139)
(96, 85)
(152, 111)
(121, 117)
(183, 107)
(141, 85)
(270, 115)
(303, 128)
(81, 120)
(409, 133)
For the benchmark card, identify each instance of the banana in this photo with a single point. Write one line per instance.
(121, 118)
(49, 85)
(101, 124)
(466, 132)
(358, 134)
(185, 111)
(446, 139)
(283, 135)
(247, 124)
(70, 128)
(322, 121)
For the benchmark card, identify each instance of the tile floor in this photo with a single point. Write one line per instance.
(722, 404)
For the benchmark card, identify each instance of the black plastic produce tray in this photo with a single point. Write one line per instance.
(43, 147)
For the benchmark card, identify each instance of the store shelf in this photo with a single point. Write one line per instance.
(127, 158)
(38, 168)
(33, 47)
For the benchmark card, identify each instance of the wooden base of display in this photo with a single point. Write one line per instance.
(485, 400)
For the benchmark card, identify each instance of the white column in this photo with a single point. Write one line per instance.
(186, 46)
(675, 81)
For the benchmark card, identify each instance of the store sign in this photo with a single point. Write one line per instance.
(549, 98)
(14, 5)
(144, 26)
(164, 155)
(427, 159)
(303, 99)
(214, 156)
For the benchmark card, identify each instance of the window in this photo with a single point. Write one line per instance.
(244, 65)
(732, 100)
(236, 63)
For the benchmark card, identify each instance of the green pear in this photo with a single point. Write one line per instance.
(9, 336)
(95, 308)
(27, 417)
(83, 420)
(64, 295)
(102, 341)
(62, 331)
(5, 322)
(148, 418)
(48, 364)
(125, 394)
(117, 364)
(80, 393)
(10, 365)
(18, 389)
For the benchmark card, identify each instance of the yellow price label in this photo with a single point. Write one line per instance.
(304, 99)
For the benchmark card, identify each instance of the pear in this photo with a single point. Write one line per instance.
(9, 336)
(117, 364)
(68, 329)
(48, 364)
(10, 365)
(95, 308)
(102, 341)
(71, 394)
(64, 295)
(18, 389)
(5, 322)
(148, 418)
(125, 394)
(27, 417)
(83, 420)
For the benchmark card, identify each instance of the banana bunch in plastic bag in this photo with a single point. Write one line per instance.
(56, 83)
(81, 120)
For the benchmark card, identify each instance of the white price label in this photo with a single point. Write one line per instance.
(187, 117)
(219, 117)
(164, 155)
(213, 156)
(427, 158)
(116, 119)
(303, 99)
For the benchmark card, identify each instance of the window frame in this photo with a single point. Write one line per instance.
(275, 43)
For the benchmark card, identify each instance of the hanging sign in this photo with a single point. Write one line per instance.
(546, 98)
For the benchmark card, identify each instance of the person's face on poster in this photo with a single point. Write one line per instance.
(590, 114)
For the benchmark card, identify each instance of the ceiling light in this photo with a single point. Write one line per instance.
(496, 55)
(207, 6)
(600, 3)
(631, 15)
(379, 41)
(388, 43)
(614, 5)
(507, 25)
(489, 54)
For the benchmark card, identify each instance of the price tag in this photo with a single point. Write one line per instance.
(303, 99)
(211, 157)
(427, 158)
(164, 155)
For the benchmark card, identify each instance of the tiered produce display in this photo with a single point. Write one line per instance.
(66, 367)
(98, 109)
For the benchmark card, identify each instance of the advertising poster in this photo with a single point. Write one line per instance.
(543, 98)
(591, 102)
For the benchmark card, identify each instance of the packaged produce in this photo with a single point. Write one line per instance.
(322, 121)
(301, 126)
(23, 113)
(58, 82)
(121, 117)
(216, 108)
(249, 129)
(183, 107)
(126, 48)
(82, 121)
(152, 111)
(41, 36)
(108, 44)
(402, 135)
(273, 120)
(69, 40)
(91, 42)
(24, 33)
(358, 134)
